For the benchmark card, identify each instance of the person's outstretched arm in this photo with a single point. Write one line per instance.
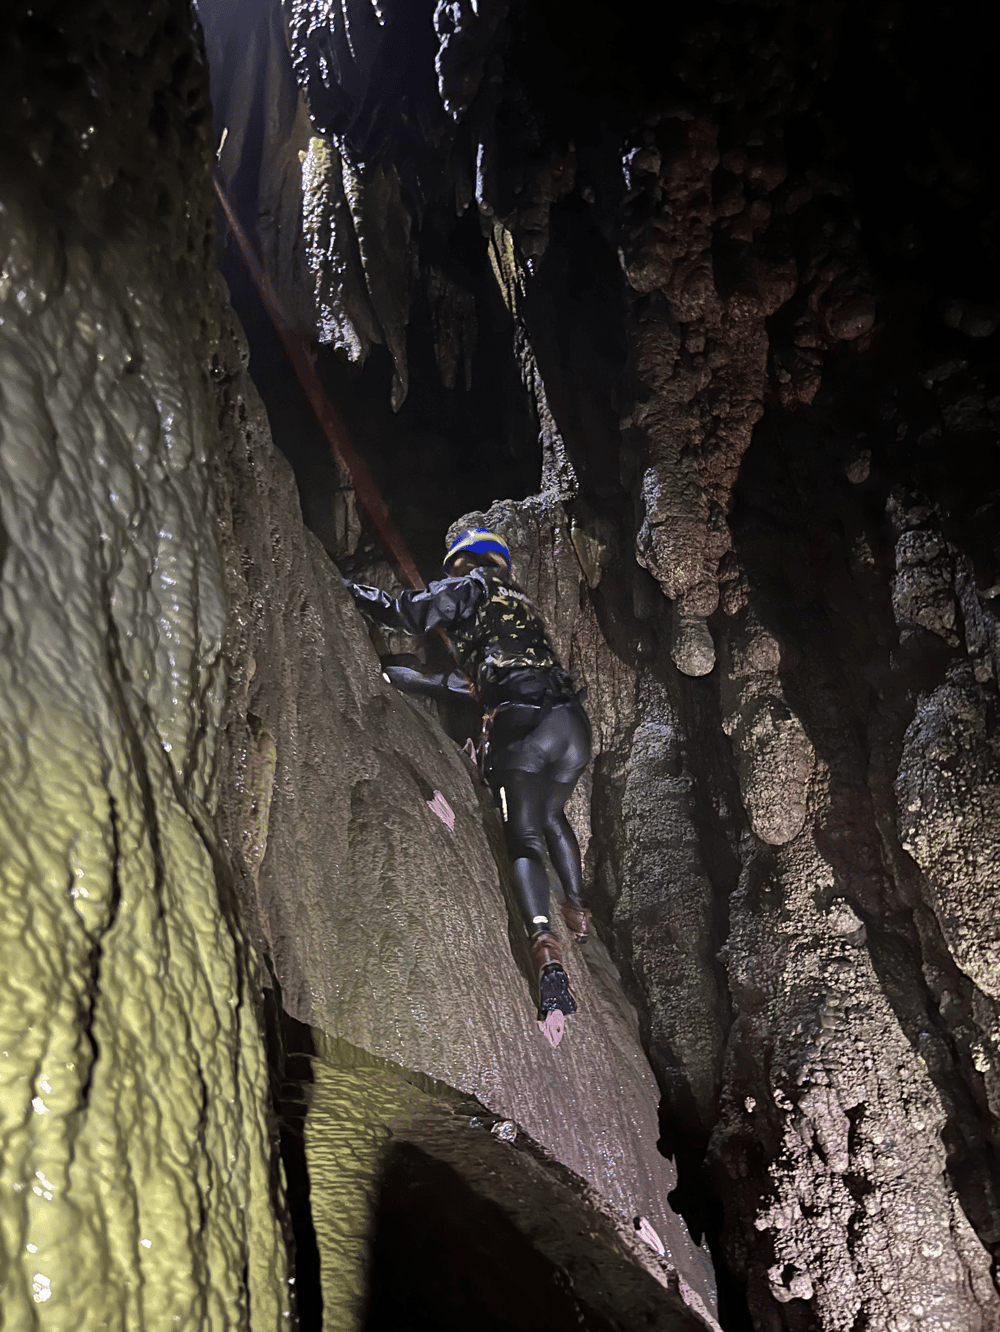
(440, 685)
(442, 605)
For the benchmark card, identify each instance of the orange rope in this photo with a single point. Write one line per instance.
(297, 350)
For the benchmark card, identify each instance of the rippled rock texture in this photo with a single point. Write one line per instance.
(726, 349)
(138, 1186)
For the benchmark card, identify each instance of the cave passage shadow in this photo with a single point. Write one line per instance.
(295, 1042)
(444, 1258)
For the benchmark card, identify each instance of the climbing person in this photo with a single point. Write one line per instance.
(535, 732)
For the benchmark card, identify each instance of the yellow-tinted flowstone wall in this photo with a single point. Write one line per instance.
(136, 1184)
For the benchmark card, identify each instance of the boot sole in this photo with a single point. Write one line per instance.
(554, 992)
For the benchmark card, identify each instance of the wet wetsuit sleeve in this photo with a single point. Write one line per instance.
(443, 604)
(438, 685)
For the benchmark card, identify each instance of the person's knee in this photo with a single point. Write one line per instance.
(527, 842)
(557, 826)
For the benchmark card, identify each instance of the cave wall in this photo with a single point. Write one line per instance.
(139, 1186)
(756, 333)
(754, 364)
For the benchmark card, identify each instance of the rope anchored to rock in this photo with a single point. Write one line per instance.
(299, 354)
(332, 424)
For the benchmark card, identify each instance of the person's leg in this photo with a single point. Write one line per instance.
(543, 764)
(521, 796)
(564, 852)
(570, 747)
(564, 849)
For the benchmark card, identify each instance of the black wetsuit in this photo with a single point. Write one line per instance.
(539, 739)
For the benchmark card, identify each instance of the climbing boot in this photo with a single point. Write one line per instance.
(577, 919)
(545, 950)
(553, 983)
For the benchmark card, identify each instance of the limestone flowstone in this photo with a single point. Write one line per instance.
(863, 1220)
(775, 759)
(137, 1186)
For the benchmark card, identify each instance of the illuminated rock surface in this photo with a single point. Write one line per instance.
(631, 287)
(388, 928)
(137, 1186)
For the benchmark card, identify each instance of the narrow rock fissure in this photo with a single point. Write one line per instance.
(93, 993)
(290, 1051)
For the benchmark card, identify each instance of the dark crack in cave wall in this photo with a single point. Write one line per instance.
(700, 309)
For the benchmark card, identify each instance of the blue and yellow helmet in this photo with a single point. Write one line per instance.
(480, 541)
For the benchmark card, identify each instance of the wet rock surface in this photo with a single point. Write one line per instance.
(716, 317)
(138, 1185)
(388, 926)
